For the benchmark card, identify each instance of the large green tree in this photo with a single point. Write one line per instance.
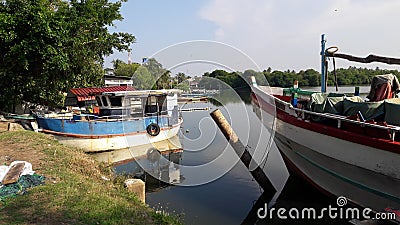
(124, 69)
(50, 46)
(164, 81)
(149, 75)
(143, 79)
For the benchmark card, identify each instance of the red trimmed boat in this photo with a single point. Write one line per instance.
(339, 143)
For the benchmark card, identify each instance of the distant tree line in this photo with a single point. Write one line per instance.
(236, 80)
(309, 77)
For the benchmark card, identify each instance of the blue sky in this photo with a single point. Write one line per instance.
(280, 34)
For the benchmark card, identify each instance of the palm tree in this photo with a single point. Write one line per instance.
(181, 77)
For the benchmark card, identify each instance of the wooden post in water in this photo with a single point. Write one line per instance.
(242, 151)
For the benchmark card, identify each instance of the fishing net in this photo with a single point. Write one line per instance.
(20, 187)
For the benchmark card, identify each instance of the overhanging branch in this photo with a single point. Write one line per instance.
(368, 59)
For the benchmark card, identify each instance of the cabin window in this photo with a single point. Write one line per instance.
(98, 100)
(136, 106)
(151, 105)
(104, 99)
(115, 101)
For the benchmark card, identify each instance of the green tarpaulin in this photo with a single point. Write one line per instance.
(387, 110)
(392, 111)
(324, 103)
(369, 110)
(339, 104)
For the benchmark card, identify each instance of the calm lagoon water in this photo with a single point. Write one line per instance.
(364, 90)
(223, 192)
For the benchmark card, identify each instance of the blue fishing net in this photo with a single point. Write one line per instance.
(20, 187)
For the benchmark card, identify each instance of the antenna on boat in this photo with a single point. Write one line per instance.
(323, 64)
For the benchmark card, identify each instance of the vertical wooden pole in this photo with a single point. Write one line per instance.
(242, 151)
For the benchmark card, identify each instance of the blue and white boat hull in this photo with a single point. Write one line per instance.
(97, 136)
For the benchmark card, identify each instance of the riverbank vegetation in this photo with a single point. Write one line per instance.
(78, 189)
(310, 77)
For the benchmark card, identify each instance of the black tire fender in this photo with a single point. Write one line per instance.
(153, 129)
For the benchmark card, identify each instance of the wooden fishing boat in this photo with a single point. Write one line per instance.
(120, 120)
(341, 144)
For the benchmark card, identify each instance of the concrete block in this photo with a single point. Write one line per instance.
(136, 186)
(14, 127)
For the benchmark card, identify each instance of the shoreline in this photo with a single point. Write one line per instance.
(77, 190)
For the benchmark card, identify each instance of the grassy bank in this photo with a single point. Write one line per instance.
(79, 189)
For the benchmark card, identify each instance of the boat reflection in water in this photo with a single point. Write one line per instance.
(161, 161)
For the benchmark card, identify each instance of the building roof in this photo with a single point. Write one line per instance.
(86, 92)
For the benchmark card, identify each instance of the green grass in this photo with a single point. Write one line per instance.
(76, 193)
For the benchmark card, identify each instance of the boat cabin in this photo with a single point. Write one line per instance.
(137, 103)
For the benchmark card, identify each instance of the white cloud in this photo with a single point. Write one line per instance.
(286, 34)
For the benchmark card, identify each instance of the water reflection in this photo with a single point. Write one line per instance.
(161, 161)
(157, 169)
(126, 155)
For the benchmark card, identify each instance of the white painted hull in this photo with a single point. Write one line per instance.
(117, 142)
(362, 186)
(384, 162)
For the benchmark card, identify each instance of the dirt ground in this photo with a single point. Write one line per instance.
(3, 126)
(14, 150)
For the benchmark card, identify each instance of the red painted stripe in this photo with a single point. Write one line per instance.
(382, 144)
(90, 136)
(270, 109)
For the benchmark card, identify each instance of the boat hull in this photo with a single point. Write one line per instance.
(358, 170)
(92, 136)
